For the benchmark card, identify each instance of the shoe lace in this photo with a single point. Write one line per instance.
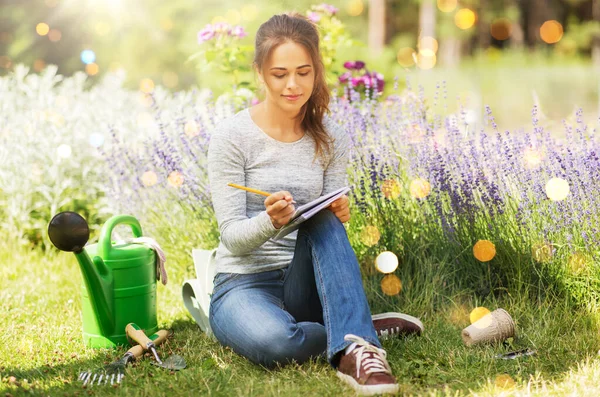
(370, 357)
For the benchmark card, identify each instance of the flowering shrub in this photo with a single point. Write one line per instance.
(361, 80)
(332, 36)
(423, 180)
(222, 50)
(425, 185)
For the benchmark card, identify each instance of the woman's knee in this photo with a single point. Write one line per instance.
(293, 344)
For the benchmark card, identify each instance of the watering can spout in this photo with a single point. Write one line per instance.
(68, 231)
(99, 283)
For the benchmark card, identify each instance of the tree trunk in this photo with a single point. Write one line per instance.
(596, 38)
(483, 27)
(376, 26)
(537, 15)
(427, 18)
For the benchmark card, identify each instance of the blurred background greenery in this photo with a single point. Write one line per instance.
(510, 54)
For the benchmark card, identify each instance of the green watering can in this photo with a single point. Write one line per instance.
(119, 280)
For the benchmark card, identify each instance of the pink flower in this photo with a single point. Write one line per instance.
(345, 77)
(206, 34)
(239, 32)
(326, 8)
(222, 27)
(354, 65)
(313, 16)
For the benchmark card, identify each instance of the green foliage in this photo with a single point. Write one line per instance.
(41, 318)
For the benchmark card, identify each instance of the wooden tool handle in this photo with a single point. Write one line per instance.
(156, 338)
(135, 333)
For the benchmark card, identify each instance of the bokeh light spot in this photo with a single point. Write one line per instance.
(92, 69)
(147, 85)
(249, 12)
(391, 189)
(484, 250)
(233, 17)
(420, 188)
(64, 151)
(391, 285)
(447, 5)
(42, 28)
(39, 65)
(5, 62)
(577, 261)
(149, 178)
(551, 32)
(501, 29)
(533, 157)
(425, 60)
(355, 7)
(542, 252)
(170, 79)
(192, 128)
(166, 24)
(464, 18)
(370, 236)
(504, 381)
(405, 56)
(145, 99)
(478, 313)
(386, 262)
(175, 179)
(54, 35)
(428, 44)
(96, 139)
(88, 56)
(557, 189)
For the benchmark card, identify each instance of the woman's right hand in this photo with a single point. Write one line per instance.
(280, 208)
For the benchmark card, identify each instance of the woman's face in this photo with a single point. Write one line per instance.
(289, 76)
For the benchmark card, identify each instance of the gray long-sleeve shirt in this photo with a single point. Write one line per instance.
(240, 152)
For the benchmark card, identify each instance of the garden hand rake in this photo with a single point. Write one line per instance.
(114, 371)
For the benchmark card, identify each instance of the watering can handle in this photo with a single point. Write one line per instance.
(105, 242)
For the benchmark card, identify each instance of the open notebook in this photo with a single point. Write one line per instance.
(307, 210)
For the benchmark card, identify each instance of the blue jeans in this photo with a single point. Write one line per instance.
(299, 312)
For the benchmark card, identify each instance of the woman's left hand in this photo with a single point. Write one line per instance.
(341, 208)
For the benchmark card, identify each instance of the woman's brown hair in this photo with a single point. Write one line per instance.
(296, 28)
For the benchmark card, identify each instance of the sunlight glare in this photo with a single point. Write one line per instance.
(386, 262)
(355, 8)
(391, 285)
(464, 18)
(370, 236)
(484, 250)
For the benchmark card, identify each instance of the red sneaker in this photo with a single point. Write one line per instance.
(366, 369)
(400, 324)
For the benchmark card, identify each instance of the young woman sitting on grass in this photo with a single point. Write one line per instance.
(277, 301)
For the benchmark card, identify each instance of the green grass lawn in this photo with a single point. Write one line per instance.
(41, 350)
